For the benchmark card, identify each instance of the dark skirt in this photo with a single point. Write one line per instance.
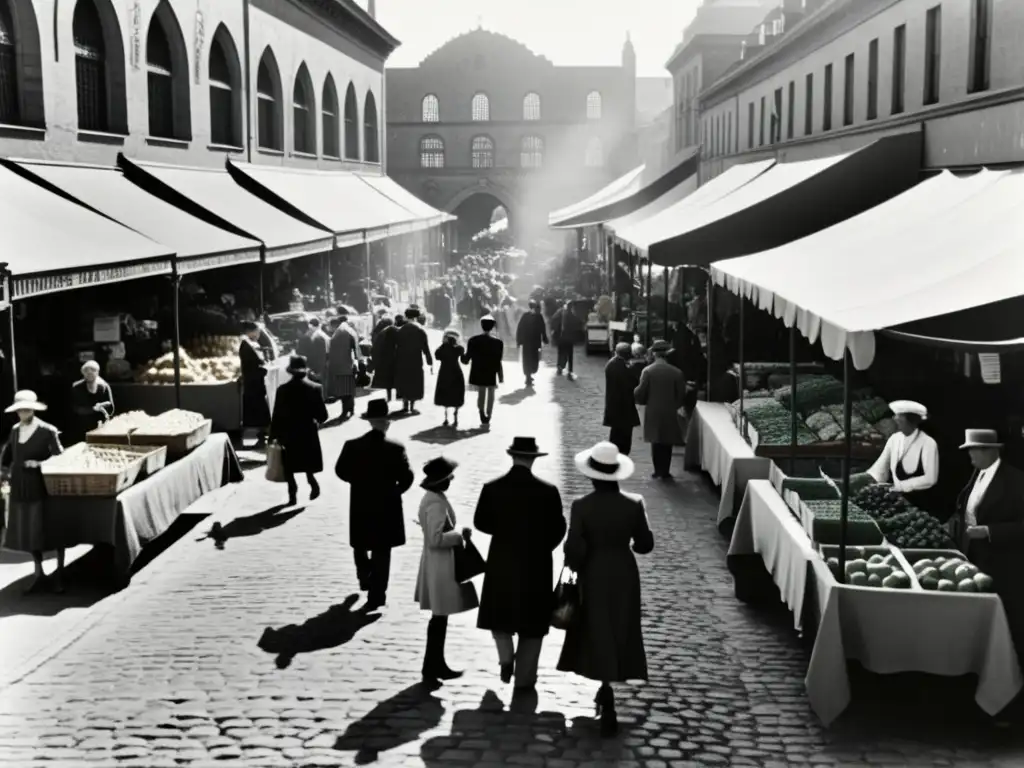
(531, 361)
(343, 386)
(255, 409)
(450, 391)
(26, 526)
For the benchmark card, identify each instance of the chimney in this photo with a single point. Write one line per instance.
(371, 8)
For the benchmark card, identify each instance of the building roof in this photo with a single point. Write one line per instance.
(481, 40)
(724, 17)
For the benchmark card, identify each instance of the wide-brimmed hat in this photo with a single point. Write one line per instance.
(525, 446)
(661, 345)
(298, 364)
(412, 311)
(981, 438)
(25, 400)
(604, 462)
(452, 332)
(436, 471)
(488, 318)
(377, 409)
(899, 407)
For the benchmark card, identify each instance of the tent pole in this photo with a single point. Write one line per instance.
(650, 300)
(792, 399)
(176, 313)
(844, 502)
(261, 266)
(369, 295)
(10, 325)
(668, 276)
(708, 333)
(743, 367)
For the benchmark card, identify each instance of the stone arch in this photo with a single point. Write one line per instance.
(114, 117)
(499, 194)
(27, 61)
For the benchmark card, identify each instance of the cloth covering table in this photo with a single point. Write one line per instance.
(714, 444)
(887, 631)
(146, 509)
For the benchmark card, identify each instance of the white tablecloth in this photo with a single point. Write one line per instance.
(277, 374)
(714, 445)
(887, 631)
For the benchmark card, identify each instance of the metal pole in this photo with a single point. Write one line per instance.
(668, 276)
(176, 286)
(848, 450)
(261, 267)
(743, 368)
(708, 333)
(369, 295)
(792, 400)
(632, 284)
(650, 300)
(10, 327)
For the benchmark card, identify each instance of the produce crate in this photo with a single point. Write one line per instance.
(62, 479)
(914, 556)
(861, 530)
(891, 556)
(179, 444)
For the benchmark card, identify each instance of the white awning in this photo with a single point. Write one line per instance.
(679, 192)
(620, 189)
(427, 215)
(949, 244)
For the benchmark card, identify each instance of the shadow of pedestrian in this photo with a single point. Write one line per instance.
(331, 629)
(251, 525)
(399, 720)
(88, 580)
(447, 435)
(514, 398)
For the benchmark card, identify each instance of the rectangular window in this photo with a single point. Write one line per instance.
(750, 125)
(848, 81)
(932, 54)
(791, 110)
(981, 39)
(761, 126)
(729, 146)
(809, 105)
(826, 118)
(899, 67)
(873, 79)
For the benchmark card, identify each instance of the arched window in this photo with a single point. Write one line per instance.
(593, 105)
(594, 157)
(10, 109)
(225, 90)
(431, 109)
(329, 111)
(431, 152)
(371, 143)
(90, 67)
(483, 152)
(532, 152)
(481, 108)
(303, 113)
(167, 76)
(351, 124)
(269, 117)
(531, 106)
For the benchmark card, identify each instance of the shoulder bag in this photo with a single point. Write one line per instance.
(469, 563)
(567, 600)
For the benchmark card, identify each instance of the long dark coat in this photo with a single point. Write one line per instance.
(255, 409)
(412, 348)
(450, 391)
(299, 411)
(378, 471)
(531, 336)
(566, 328)
(662, 389)
(84, 402)
(483, 355)
(607, 643)
(524, 517)
(314, 347)
(619, 402)
(383, 354)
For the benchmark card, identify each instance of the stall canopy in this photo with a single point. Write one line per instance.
(946, 246)
(395, 192)
(338, 201)
(214, 196)
(785, 202)
(52, 244)
(197, 245)
(679, 192)
(650, 190)
(620, 189)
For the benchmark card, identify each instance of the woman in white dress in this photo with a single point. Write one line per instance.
(910, 459)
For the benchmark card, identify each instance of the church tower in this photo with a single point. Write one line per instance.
(629, 72)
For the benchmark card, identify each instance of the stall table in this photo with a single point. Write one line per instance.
(714, 444)
(145, 510)
(887, 631)
(220, 402)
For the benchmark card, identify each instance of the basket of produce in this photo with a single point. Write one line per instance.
(812, 393)
(217, 369)
(904, 525)
(87, 469)
(180, 431)
(946, 570)
(118, 430)
(821, 520)
(877, 567)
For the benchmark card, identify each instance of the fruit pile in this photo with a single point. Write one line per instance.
(90, 459)
(812, 393)
(904, 525)
(861, 530)
(951, 574)
(172, 422)
(194, 370)
(123, 423)
(879, 571)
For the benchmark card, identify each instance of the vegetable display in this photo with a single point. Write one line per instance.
(194, 370)
(91, 459)
(172, 422)
(949, 572)
(876, 568)
(904, 525)
(812, 393)
(825, 524)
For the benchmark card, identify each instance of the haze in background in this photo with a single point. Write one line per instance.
(568, 32)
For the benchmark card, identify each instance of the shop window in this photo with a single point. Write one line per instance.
(826, 118)
(899, 68)
(932, 54)
(10, 108)
(371, 132)
(351, 124)
(303, 113)
(532, 152)
(225, 90)
(90, 67)
(481, 108)
(430, 109)
(167, 76)
(981, 46)
(482, 152)
(431, 152)
(531, 106)
(269, 116)
(329, 118)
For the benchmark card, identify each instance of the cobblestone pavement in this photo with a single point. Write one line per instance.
(172, 675)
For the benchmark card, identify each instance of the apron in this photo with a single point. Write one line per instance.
(925, 499)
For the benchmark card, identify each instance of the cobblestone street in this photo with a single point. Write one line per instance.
(169, 673)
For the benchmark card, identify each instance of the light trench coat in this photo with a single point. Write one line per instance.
(437, 590)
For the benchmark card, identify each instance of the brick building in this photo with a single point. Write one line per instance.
(484, 122)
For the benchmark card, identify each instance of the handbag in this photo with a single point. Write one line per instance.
(469, 563)
(275, 463)
(567, 600)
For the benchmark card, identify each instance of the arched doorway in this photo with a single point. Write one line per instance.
(479, 213)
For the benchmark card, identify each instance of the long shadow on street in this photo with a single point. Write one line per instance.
(396, 721)
(331, 629)
(517, 396)
(447, 435)
(252, 525)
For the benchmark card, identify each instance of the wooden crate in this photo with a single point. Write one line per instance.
(180, 444)
(66, 481)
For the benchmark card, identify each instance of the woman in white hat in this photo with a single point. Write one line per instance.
(910, 459)
(606, 641)
(32, 441)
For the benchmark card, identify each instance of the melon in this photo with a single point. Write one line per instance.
(945, 585)
(920, 565)
(984, 582)
(874, 580)
(858, 579)
(967, 585)
(857, 566)
(966, 571)
(948, 569)
(876, 559)
(930, 583)
(931, 572)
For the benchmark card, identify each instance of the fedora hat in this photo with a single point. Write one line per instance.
(525, 446)
(377, 409)
(661, 346)
(981, 438)
(436, 471)
(25, 400)
(908, 406)
(298, 364)
(412, 310)
(604, 462)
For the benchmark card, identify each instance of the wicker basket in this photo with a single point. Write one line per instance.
(61, 481)
(179, 444)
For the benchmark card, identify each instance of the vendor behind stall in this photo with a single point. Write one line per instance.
(910, 459)
(91, 401)
(255, 409)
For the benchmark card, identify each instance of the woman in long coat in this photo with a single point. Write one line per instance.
(91, 400)
(341, 367)
(437, 590)
(32, 442)
(413, 348)
(450, 391)
(606, 642)
(299, 411)
(255, 409)
(383, 354)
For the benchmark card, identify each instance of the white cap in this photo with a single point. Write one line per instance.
(908, 406)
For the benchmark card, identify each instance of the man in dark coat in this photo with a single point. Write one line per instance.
(299, 411)
(382, 353)
(620, 413)
(566, 331)
(314, 346)
(531, 336)
(378, 471)
(990, 524)
(255, 409)
(411, 348)
(483, 356)
(524, 517)
(662, 390)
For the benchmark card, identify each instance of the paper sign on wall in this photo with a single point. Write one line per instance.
(106, 330)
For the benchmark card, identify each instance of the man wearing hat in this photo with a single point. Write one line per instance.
(566, 330)
(299, 411)
(255, 408)
(378, 472)
(910, 459)
(620, 413)
(484, 353)
(524, 517)
(411, 348)
(662, 390)
(531, 336)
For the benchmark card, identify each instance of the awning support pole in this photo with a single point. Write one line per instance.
(369, 295)
(792, 400)
(176, 314)
(844, 502)
(261, 266)
(6, 272)
(668, 279)
(709, 334)
(650, 300)
(743, 368)
(632, 284)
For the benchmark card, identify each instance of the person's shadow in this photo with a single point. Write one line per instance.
(399, 720)
(446, 435)
(516, 397)
(332, 628)
(251, 525)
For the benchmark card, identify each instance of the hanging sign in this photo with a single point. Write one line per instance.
(106, 330)
(135, 51)
(199, 39)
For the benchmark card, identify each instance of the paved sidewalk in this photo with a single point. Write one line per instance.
(172, 674)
